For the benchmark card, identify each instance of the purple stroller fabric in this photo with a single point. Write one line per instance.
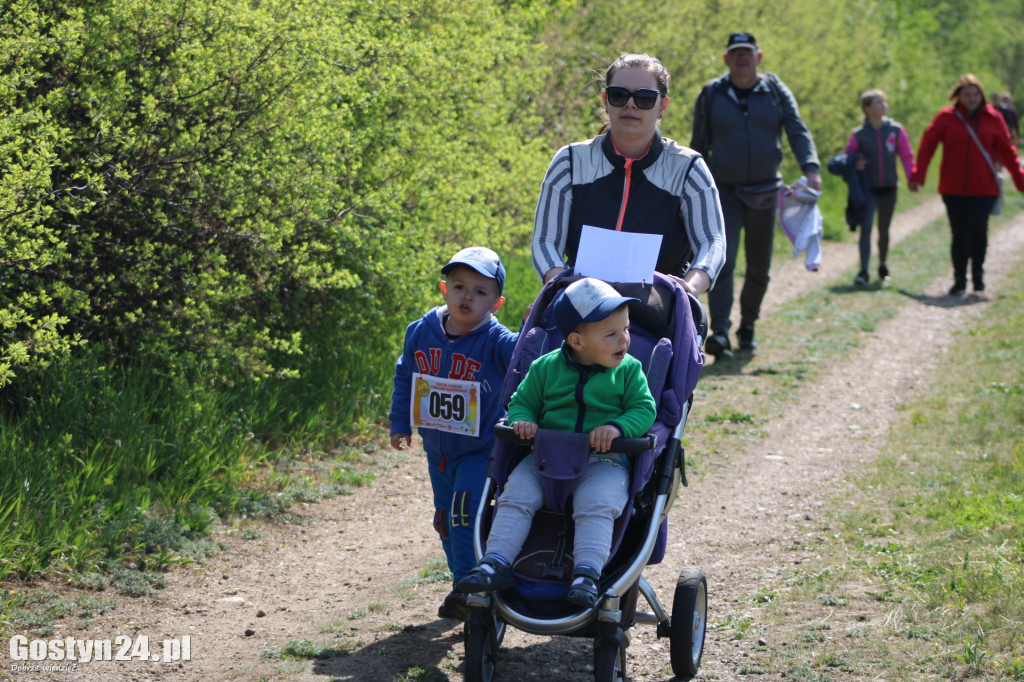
(560, 457)
(663, 337)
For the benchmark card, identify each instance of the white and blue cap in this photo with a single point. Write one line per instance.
(586, 300)
(481, 259)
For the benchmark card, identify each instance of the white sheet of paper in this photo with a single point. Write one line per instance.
(617, 256)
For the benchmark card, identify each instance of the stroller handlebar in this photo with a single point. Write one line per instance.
(700, 317)
(630, 446)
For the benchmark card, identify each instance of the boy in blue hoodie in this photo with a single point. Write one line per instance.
(447, 384)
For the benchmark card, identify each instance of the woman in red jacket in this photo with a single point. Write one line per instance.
(967, 176)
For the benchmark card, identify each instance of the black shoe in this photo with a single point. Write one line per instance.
(861, 280)
(957, 289)
(979, 283)
(745, 335)
(454, 606)
(883, 273)
(585, 590)
(490, 575)
(719, 346)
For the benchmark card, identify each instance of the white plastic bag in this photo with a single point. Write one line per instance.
(800, 219)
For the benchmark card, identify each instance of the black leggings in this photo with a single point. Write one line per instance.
(968, 220)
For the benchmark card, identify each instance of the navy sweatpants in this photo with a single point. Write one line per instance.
(457, 484)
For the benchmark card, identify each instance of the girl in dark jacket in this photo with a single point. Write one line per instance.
(879, 141)
(967, 177)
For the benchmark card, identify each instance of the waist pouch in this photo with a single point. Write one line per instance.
(763, 195)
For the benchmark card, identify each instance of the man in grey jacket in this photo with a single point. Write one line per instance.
(737, 126)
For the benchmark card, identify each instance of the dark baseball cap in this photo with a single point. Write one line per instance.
(481, 259)
(737, 40)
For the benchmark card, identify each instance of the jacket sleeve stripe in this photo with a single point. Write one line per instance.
(702, 209)
(551, 222)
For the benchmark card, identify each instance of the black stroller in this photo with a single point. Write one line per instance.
(667, 328)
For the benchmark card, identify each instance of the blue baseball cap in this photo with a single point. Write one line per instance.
(481, 259)
(586, 300)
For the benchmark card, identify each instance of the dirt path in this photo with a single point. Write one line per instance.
(336, 578)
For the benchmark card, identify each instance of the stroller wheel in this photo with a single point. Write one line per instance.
(609, 660)
(482, 635)
(689, 622)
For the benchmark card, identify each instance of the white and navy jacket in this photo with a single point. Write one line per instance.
(668, 192)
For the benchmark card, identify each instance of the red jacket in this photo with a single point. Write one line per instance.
(964, 171)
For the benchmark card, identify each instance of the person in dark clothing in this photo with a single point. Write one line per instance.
(738, 122)
(1004, 104)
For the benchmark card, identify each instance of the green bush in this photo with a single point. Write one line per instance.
(210, 179)
(202, 201)
(217, 217)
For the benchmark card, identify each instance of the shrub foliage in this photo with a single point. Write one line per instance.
(206, 179)
(217, 216)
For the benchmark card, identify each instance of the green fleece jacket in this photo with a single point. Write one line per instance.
(560, 394)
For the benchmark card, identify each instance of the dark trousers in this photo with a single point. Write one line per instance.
(758, 227)
(882, 200)
(968, 221)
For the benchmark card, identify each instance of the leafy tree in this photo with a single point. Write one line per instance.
(207, 180)
(31, 331)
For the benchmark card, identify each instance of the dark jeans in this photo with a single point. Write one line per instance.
(884, 201)
(759, 239)
(968, 220)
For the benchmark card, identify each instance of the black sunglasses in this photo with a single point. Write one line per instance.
(642, 98)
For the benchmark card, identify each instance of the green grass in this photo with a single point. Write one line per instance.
(116, 466)
(35, 610)
(934, 542)
(952, 487)
(304, 649)
(418, 674)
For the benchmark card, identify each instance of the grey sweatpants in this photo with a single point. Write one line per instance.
(599, 496)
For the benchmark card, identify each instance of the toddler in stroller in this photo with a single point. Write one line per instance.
(585, 393)
(551, 577)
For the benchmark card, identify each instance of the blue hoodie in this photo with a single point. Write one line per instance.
(482, 355)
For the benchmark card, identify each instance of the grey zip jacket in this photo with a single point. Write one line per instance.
(742, 143)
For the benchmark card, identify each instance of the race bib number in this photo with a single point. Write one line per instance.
(446, 404)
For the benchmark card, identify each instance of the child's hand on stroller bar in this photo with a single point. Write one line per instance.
(524, 429)
(630, 446)
(601, 438)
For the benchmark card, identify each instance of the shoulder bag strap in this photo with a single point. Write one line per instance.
(974, 136)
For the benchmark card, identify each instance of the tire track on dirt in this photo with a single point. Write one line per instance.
(764, 514)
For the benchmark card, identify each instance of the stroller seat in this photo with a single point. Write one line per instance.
(667, 328)
(544, 567)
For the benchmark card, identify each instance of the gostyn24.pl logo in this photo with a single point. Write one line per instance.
(23, 650)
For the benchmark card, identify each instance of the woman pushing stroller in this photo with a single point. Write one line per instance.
(588, 385)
